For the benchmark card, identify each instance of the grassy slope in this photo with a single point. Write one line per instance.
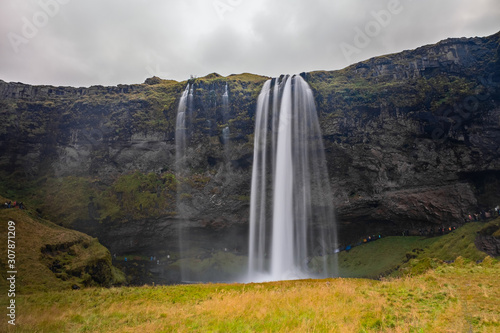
(76, 252)
(458, 243)
(388, 254)
(451, 298)
(380, 257)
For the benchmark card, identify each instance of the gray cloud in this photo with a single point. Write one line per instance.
(81, 43)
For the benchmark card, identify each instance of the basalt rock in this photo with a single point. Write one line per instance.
(488, 238)
(488, 244)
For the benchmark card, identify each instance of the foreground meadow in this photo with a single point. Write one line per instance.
(459, 297)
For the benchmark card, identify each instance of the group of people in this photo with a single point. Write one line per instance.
(481, 215)
(152, 258)
(10, 204)
(484, 214)
(429, 232)
(365, 240)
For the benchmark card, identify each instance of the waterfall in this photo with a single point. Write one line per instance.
(225, 135)
(292, 225)
(258, 193)
(225, 105)
(226, 132)
(187, 128)
(180, 130)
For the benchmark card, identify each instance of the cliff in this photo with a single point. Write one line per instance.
(412, 142)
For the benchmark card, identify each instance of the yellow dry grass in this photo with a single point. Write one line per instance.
(461, 297)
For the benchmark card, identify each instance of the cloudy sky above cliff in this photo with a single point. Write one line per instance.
(89, 42)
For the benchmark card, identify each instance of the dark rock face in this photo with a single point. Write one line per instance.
(410, 209)
(401, 149)
(412, 141)
(488, 238)
(488, 244)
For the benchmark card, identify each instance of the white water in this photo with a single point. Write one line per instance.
(226, 132)
(186, 118)
(225, 105)
(282, 241)
(184, 113)
(258, 194)
(180, 130)
(292, 225)
(225, 135)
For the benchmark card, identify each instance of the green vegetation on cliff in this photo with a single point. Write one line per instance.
(135, 196)
(346, 94)
(65, 199)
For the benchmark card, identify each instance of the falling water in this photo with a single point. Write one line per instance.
(189, 110)
(183, 121)
(180, 131)
(292, 226)
(225, 105)
(226, 132)
(225, 135)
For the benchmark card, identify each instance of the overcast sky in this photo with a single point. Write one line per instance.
(108, 42)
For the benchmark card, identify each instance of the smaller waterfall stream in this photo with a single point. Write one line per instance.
(226, 132)
(182, 124)
(180, 130)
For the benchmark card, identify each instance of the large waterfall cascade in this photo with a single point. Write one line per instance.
(292, 231)
(292, 224)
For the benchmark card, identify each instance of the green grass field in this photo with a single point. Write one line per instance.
(399, 255)
(373, 259)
